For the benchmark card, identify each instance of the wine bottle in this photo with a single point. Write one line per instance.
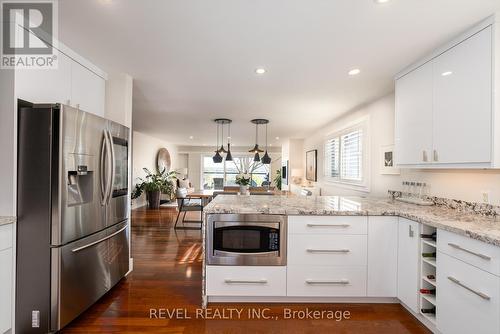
(431, 310)
(429, 236)
(429, 254)
(431, 277)
(428, 291)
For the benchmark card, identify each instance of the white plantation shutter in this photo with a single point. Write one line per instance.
(351, 155)
(344, 156)
(332, 158)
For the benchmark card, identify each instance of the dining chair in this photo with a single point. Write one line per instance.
(185, 205)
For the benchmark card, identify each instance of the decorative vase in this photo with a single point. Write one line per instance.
(244, 190)
(153, 199)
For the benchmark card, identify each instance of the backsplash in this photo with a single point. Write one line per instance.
(483, 209)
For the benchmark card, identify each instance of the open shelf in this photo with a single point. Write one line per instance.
(429, 260)
(429, 242)
(430, 298)
(428, 280)
(428, 267)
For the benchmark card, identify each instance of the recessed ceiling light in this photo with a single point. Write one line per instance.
(381, 1)
(354, 71)
(191, 137)
(270, 144)
(277, 138)
(445, 74)
(260, 70)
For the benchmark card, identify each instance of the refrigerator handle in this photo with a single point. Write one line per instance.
(112, 174)
(104, 155)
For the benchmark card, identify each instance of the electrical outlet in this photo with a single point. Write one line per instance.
(486, 196)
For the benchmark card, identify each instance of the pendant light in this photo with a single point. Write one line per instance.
(217, 158)
(222, 149)
(256, 148)
(229, 157)
(266, 159)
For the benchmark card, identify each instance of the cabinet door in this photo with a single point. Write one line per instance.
(468, 299)
(413, 128)
(5, 289)
(462, 102)
(382, 256)
(87, 90)
(47, 85)
(408, 260)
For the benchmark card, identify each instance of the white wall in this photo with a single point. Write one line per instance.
(144, 150)
(458, 184)
(119, 90)
(7, 143)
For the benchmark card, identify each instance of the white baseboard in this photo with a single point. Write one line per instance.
(284, 299)
(130, 265)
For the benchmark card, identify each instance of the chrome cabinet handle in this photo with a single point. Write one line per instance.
(424, 156)
(457, 282)
(98, 241)
(309, 250)
(235, 281)
(482, 256)
(410, 231)
(327, 225)
(333, 282)
(435, 155)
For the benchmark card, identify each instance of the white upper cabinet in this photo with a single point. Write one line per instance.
(462, 102)
(71, 83)
(45, 85)
(445, 116)
(87, 90)
(413, 142)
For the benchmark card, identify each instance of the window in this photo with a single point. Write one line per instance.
(344, 160)
(216, 176)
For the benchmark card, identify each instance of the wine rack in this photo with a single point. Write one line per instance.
(428, 271)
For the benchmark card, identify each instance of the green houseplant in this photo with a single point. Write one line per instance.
(277, 179)
(155, 184)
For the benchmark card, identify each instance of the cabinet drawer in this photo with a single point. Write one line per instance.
(245, 281)
(467, 298)
(327, 249)
(328, 224)
(477, 253)
(326, 281)
(6, 236)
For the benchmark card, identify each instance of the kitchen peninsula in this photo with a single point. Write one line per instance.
(441, 262)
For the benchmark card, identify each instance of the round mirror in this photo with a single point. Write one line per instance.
(163, 160)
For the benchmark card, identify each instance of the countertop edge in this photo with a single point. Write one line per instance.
(6, 220)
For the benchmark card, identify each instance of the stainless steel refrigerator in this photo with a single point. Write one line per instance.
(73, 213)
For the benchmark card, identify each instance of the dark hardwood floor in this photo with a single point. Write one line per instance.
(167, 274)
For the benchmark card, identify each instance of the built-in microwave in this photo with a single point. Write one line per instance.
(246, 239)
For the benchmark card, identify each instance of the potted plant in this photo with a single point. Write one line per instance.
(277, 179)
(154, 184)
(243, 180)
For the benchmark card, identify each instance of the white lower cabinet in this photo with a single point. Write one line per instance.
(6, 276)
(467, 298)
(382, 256)
(408, 262)
(246, 280)
(326, 281)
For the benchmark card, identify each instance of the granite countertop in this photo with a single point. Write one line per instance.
(470, 224)
(4, 220)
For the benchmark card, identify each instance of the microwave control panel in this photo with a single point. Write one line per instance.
(274, 240)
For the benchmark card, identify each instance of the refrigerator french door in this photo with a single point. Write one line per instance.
(73, 213)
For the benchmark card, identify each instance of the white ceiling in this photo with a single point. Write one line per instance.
(194, 60)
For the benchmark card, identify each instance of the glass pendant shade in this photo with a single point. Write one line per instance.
(266, 159)
(256, 149)
(229, 157)
(256, 158)
(217, 158)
